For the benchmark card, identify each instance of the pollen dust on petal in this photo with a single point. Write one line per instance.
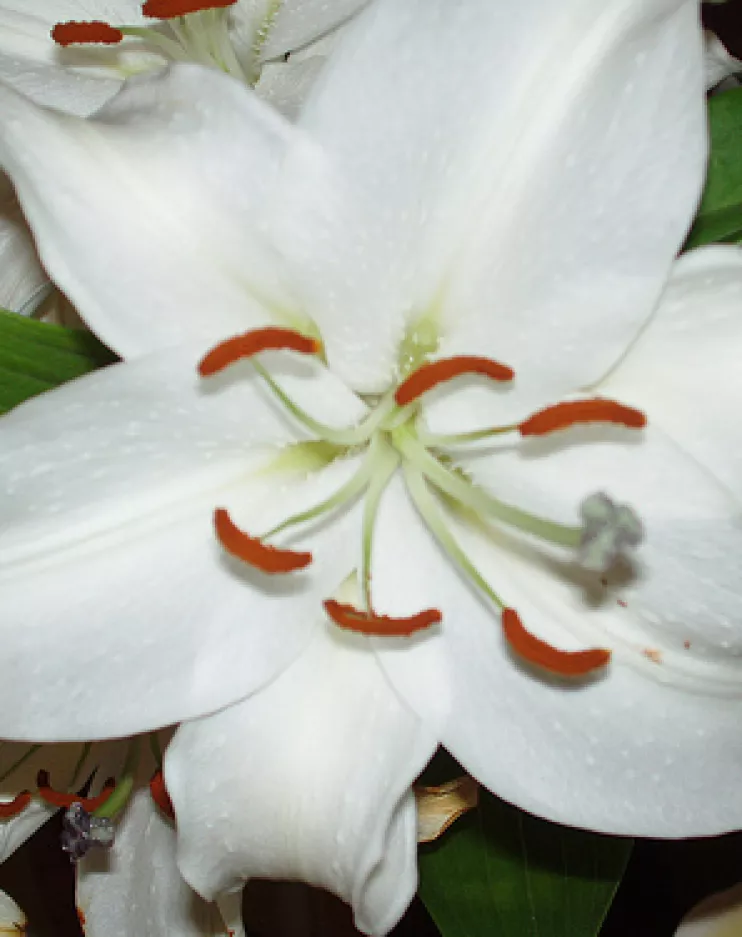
(253, 551)
(433, 373)
(541, 654)
(352, 619)
(168, 9)
(572, 412)
(252, 343)
(95, 31)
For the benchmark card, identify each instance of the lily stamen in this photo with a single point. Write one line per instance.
(429, 375)
(63, 799)
(571, 412)
(544, 655)
(253, 551)
(159, 794)
(352, 619)
(17, 805)
(169, 9)
(271, 338)
(76, 32)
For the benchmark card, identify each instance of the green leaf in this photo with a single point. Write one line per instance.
(499, 872)
(35, 357)
(720, 213)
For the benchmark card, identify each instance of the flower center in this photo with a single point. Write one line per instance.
(185, 31)
(393, 439)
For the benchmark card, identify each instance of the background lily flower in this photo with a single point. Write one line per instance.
(719, 915)
(79, 78)
(449, 217)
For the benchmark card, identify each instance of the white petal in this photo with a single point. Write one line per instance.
(136, 888)
(22, 279)
(120, 610)
(497, 192)
(147, 216)
(308, 779)
(684, 369)
(717, 916)
(300, 22)
(285, 85)
(623, 754)
(718, 62)
(12, 918)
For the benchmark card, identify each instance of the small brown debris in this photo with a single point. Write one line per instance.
(651, 653)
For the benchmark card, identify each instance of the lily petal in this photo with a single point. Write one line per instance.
(22, 279)
(12, 919)
(182, 254)
(628, 752)
(720, 915)
(684, 368)
(137, 888)
(300, 22)
(308, 779)
(454, 197)
(142, 620)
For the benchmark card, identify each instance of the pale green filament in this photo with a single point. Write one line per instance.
(122, 792)
(426, 505)
(386, 462)
(351, 489)
(459, 439)
(352, 436)
(477, 499)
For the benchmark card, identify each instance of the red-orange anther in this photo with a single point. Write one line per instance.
(538, 652)
(597, 410)
(72, 33)
(167, 9)
(253, 551)
(62, 799)
(350, 618)
(15, 806)
(429, 375)
(252, 343)
(160, 795)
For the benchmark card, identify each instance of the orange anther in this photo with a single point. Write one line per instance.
(597, 410)
(350, 618)
(252, 343)
(253, 551)
(60, 799)
(429, 375)
(538, 652)
(167, 9)
(15, 806)
(160, 795)
(72, 33)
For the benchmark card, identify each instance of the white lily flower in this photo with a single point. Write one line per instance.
(457, 212)
(247, 38)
